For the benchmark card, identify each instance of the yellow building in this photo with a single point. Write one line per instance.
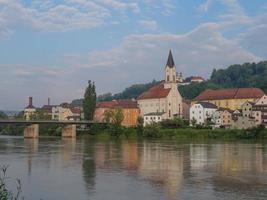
(232, 98)
(129, 107)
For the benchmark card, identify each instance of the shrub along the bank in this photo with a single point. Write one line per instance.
(157, 131)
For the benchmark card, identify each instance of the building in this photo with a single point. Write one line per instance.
(129, 107)
(151, 118)
(223, 118)
(241, 122)
(186, 109)
(30, 110)
(230, 98)
(259, 111)
(191, 79)
(65, 112)
(247, 109)
(202, 112)
(164, 97)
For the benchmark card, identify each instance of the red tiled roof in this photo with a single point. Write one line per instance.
(233, 93)
(75, 110)
(126, 104)
(155, 92)
(117, 103)
(196, 78)
(106, 104)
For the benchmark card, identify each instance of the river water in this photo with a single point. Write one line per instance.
(84, 168)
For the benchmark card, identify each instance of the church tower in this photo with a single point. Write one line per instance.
(170, 73)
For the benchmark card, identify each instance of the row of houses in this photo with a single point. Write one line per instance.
(60, 112)
(249, 114)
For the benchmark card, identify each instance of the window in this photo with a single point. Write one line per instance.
(174, 78)
(169, 113)
(168, 78)
(158, 118)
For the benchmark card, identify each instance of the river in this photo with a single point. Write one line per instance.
(85, 168)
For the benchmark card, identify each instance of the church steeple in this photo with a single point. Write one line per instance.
(170, 70)
(170, 62)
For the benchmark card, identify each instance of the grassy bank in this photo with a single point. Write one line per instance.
(159, 132)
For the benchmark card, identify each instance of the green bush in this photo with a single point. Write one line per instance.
(151, 131)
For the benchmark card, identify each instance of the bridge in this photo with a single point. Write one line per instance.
(32, 126)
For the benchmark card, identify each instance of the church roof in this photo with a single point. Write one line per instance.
(155, 92)
(233, 93)
(170, 61)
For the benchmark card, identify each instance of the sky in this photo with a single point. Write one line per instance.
(51, 48)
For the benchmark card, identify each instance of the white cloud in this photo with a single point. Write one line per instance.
(149, 24)
(69, 15)
(205, 6)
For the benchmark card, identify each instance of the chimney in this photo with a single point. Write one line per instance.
(30, 102)
(48, 101)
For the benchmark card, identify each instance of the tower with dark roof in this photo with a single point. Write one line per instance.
(170, 72)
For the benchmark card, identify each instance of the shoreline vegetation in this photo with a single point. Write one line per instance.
(169, 129)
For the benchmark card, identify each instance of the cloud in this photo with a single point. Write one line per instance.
(149, 24)
(205, 6)
(49, 16)
(165, 7)
(144, 56)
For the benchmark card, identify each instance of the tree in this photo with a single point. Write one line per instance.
(3, 115)
(114, 116)
(89, 102)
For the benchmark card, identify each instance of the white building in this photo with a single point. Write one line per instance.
(151, 118)
(164, 97)
(30, 110)
(65, 112)
(201, 112)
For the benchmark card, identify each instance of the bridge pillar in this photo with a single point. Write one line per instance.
(31, 131)
(69, 131)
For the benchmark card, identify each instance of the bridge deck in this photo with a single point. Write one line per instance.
(28, 122)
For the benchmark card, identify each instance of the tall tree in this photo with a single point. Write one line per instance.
(89, 102)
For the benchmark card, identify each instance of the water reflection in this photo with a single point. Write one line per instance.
(118, 169)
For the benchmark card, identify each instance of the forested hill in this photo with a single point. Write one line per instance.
(246, 75)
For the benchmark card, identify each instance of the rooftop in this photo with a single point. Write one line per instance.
(155, 92)
(207, 105)
(233, 93)
(117, 104)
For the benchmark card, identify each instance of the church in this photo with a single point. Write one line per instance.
(162, 101)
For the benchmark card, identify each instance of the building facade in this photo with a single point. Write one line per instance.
(30, 110)
(230, 98)
(129, 108)
(164, 97)
(201, 113)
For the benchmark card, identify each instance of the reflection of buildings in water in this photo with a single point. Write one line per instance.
(68, 150)
(89, 166)
(31, 145)
(162, 166)
(129, 155)
(242, 158)
(198, 156)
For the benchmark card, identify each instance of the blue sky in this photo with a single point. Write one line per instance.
(50, 48)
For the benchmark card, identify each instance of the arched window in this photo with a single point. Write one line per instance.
(174, 78)
(168, 78)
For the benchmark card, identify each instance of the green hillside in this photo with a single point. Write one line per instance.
(246, 75)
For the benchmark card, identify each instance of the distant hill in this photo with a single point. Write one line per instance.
(246, 75)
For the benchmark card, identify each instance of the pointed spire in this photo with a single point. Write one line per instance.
(170, 61)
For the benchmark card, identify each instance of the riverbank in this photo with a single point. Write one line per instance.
(157, 132)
